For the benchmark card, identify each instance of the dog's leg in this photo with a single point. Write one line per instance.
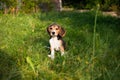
(52, 54)
(62, 50)
(62, 53)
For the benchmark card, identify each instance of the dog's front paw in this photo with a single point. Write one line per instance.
(50, 56)
(62, 53)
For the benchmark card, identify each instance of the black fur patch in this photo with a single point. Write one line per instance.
(63, 42)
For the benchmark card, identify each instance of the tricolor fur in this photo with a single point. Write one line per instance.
(56, 33)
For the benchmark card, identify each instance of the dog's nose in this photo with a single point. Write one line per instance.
(53, 33)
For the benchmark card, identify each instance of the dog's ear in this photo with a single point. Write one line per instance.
(62, 32)
(48, 30)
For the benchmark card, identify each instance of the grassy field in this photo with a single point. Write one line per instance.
(23, 52)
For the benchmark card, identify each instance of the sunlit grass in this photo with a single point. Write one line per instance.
(23, 52)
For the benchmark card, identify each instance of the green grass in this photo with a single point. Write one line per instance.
(23, 52)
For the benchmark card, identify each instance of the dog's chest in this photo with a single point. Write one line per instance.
(55, 43)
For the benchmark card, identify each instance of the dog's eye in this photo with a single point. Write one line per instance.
(50, 28)
(56, 28)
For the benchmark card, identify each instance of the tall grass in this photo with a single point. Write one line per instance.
(94, 43)
(23, 52)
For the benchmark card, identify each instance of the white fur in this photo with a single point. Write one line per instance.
(55, 45)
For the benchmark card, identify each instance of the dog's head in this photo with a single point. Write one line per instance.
(55, 30)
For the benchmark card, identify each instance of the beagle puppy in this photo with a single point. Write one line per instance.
(56, 33)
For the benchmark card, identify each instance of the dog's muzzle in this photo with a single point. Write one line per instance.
(53, 33)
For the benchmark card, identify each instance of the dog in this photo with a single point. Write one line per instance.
(56, 42)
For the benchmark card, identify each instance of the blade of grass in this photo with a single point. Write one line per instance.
(28, 59)
(94, 41)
